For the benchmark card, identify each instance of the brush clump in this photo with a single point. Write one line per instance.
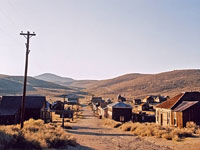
(169, 133)
(34, 135)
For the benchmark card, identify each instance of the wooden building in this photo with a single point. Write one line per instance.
(137, 101)
(120, 111)
(143, 107)
(95, 102)
(148, 99)
(160, 99)
(103, 110)
(73, 101)
(179, 110)
(35, 107)
(143, 117)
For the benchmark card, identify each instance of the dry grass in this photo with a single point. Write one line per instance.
(193, 128)
(139, 85)
(35, 135)
(111, 123)
(152, 129)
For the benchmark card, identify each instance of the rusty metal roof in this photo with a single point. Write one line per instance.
(185, 105)
(170, 102)
(175, 101)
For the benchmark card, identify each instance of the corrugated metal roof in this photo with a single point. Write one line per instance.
(185, 105)
(119, 105)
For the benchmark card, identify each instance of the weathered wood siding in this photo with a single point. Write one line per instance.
(179, 118)
(163, 116)
(192, 114)
(122, 112)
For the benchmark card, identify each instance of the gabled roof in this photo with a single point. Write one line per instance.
(72, 100)
(97, 100)
(13, 103)
(144, 104)
(175, 101)
(169, 103)
(103, 105)
(185, 105)
(119, 105)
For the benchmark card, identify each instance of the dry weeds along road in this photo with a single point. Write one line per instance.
(91, 134)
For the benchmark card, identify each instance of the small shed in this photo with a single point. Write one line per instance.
(143, 107)
(137, 101)
(160, 99)
(96, 102)
(148, 99)
(143, 117)
(72, 101)
(185, 112)
(120, 111)
(103, 110)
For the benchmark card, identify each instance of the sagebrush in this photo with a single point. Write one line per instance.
(34, 135)
(169, 133)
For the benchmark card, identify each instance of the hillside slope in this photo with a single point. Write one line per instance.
(14, 84)
(138, 85)
(65, 81)
(54, 78)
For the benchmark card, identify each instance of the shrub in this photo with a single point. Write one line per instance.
(34, 135)
(111, 123)
(152, 129)
(126, 126)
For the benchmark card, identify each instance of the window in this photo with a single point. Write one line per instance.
(175, 124)
(175, 121)
(122, 118)
(157, 118)
(168, 117)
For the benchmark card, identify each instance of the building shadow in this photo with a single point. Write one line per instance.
(96, 134)
(89, 128)
(79, 147)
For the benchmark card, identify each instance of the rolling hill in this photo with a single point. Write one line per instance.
(65, 81)
(14, 85)
(139, 85)
(54, 78)
(130, 85)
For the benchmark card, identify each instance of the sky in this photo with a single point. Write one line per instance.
(99, 39)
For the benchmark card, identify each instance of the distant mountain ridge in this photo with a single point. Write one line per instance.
(14, 84)
(65, 81)
(54, 78)
(139, 85)
(129, 85)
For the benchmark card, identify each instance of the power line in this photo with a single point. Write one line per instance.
(27, 35)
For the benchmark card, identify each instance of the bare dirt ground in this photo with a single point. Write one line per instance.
(92, 134)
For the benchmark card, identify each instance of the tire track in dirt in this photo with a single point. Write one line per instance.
(91, 134)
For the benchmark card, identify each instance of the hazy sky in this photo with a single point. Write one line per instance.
(98, 39)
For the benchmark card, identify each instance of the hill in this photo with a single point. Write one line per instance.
(54, 78)
(139, 85)
(14, 85)
(64, 81)
(130, 85)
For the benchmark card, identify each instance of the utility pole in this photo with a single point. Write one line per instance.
(63, 118)
(27, 35)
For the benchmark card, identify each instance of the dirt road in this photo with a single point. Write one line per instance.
(91, 134)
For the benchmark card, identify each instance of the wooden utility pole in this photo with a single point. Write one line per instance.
(63, 118)
(27, 35)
